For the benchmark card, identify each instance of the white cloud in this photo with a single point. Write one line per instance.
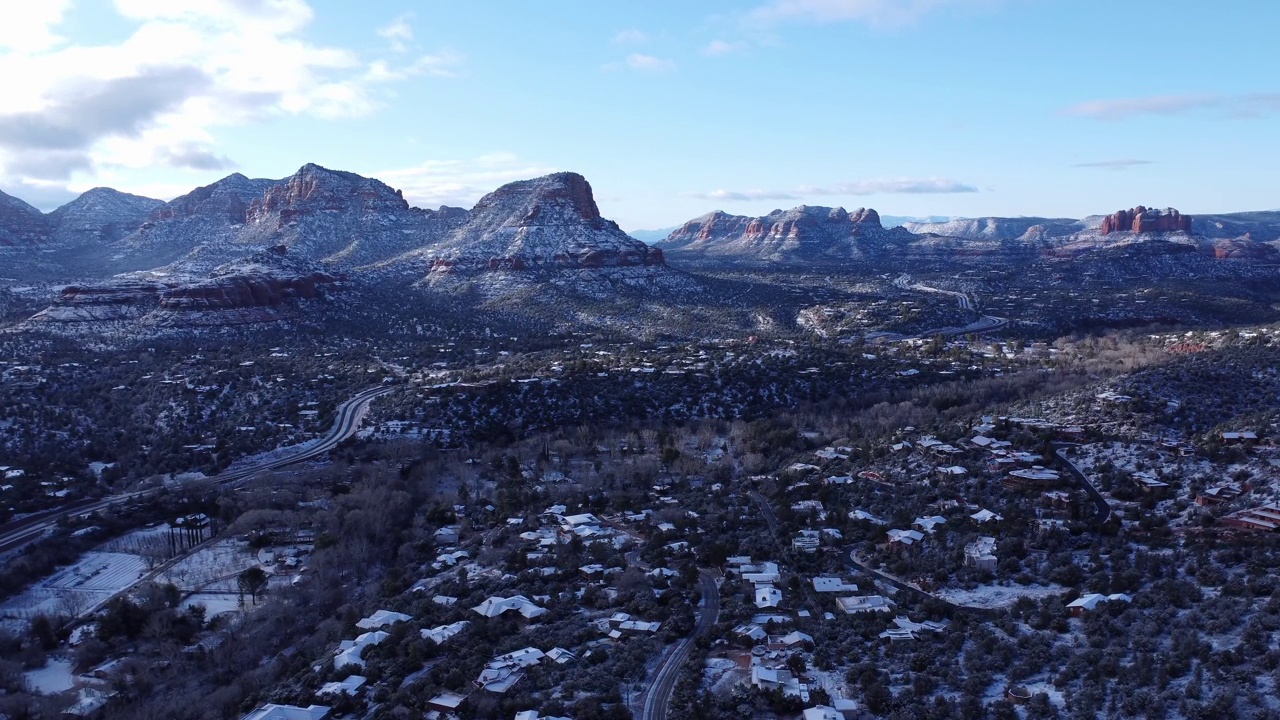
(640, 62)
(1248, 105)
(720, 47)
(28, 26)
(908, 186)
(896, 186)
(880, 13)
(745, 195)
(459, 182)
(187, 68)
(1122, 164)
(398, 32)
(631, 37)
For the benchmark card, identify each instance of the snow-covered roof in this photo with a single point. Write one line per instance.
(495, 606)
(382, 618)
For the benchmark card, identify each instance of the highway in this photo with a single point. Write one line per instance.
(18, 533)
(985, 323)
(658, 697)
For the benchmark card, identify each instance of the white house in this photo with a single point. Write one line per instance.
(905, 537)
(350, 686)
(865, 603)
(443, 632)
(381, 619)
(289, 712)
(768, 596)
(495, 606)
(351, 652)
(832, 584)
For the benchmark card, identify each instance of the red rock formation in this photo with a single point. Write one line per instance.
(1143, 220)
(314, 189)
(243, 291)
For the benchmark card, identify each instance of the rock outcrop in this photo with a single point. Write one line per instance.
(313, 190)
(21, 225)
(263, 288)
(99, 216)
(1142, 220)
(546, 224)
(801, 234)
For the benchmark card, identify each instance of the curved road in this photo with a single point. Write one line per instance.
(20, 532)
(658, 697)
(1103, 509)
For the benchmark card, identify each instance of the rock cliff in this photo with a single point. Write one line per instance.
(1142, 220)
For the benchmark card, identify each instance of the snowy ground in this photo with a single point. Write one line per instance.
(997, 596)
(55, 677)
(73, 590)
(279, 453)
(217, 603)
(212, 568)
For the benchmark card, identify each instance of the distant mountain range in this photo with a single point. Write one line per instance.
(246, 250)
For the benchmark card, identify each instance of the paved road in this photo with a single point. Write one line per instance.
(983, 324)
(767, 510)
(21, 532)
(1103, 509)
(658, 697)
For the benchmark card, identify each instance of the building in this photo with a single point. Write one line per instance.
(349, 686)
(1266, 518)
(831, 584)
(864, 603)
(984, 516)
(1031, 478)
(1148, 481)
(981, 554)
(351, 652)
(381, 619)
(768, 596)
(905, 538)
(289, 712)
(807, 541)
(1225, 492)
(495, 606)
(444, 632)
(952, 472)
(1239, 437)
(1090, 602)
(928, 524)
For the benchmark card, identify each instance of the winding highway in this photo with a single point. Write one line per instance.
(658, 697)
(985, 323)
(351, 413)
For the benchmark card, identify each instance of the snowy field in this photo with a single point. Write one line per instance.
(55, 677)
(213, 568)
(216, 604)
(997, 596)
(75, 589)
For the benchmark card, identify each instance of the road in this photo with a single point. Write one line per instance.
(985, 323)
(21, 532)
(767, 510)
(1103, 509)
(658, 697)
(962, 299)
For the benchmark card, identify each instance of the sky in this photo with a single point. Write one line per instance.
(670, 108)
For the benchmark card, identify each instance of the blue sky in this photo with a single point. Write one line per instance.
(671, 109)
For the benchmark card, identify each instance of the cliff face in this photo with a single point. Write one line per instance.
(801, 234)
(1142, 220)
(549, 223)
(100, 216)
(21, 226)
(264, 288)
(313, 190)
